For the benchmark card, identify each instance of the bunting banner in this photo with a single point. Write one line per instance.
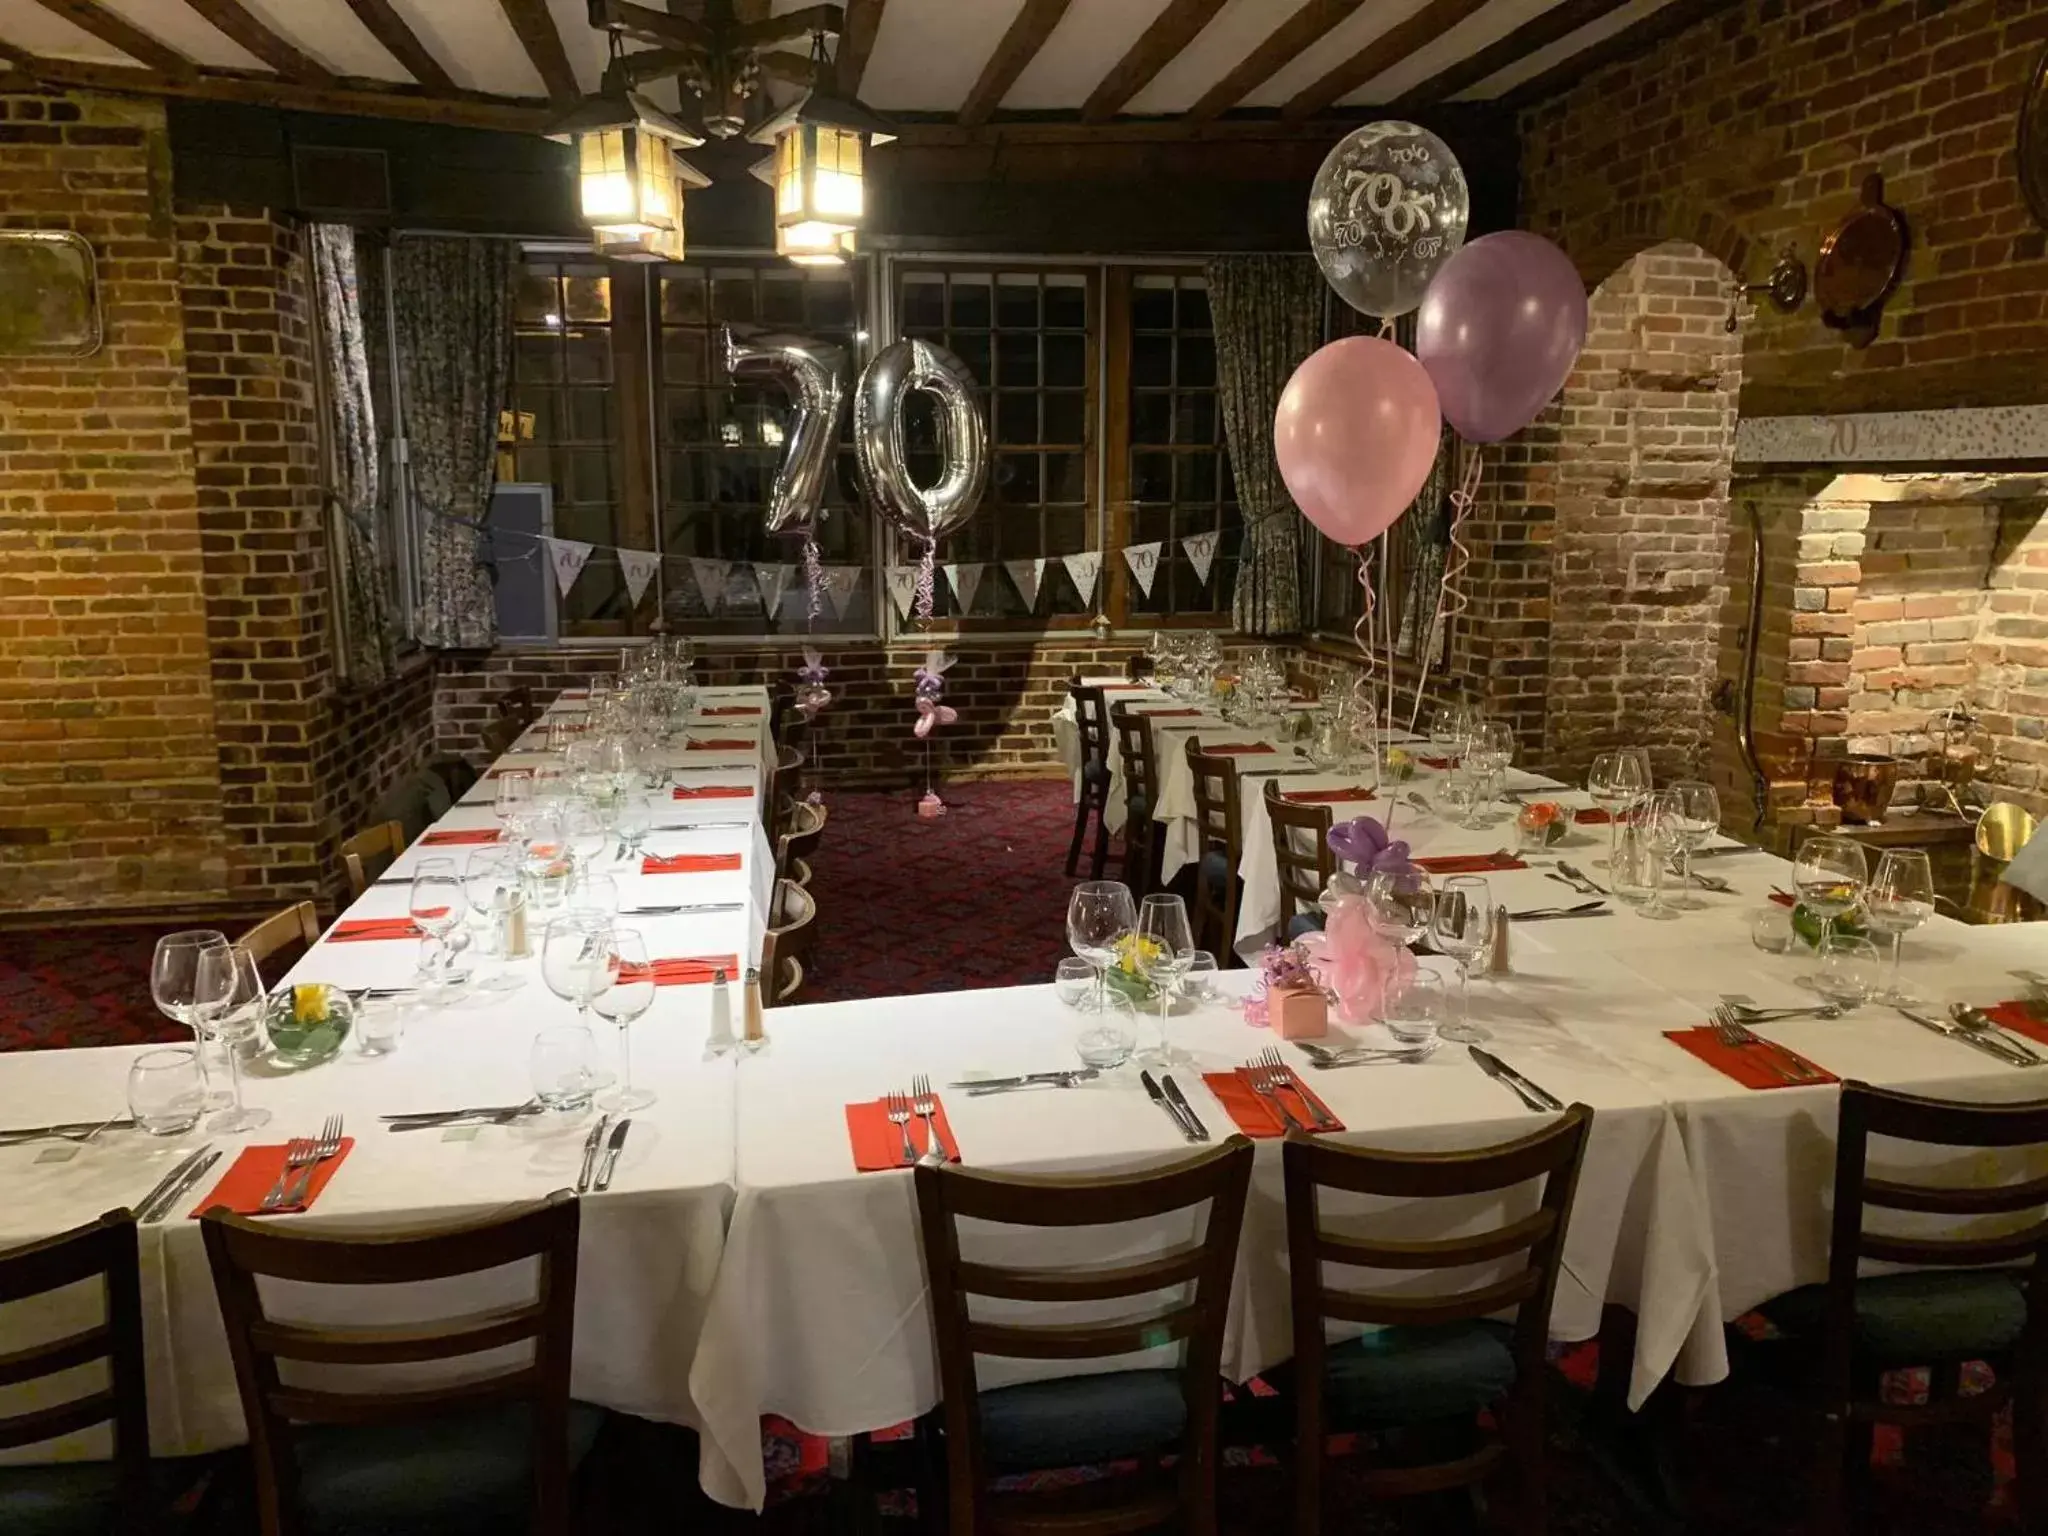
(841, 582)
(1082, 570)
(568, 557)
(639, 568)
(965, 580)
(1143, 559)
(711, 579)
(773, 580)
(902, 588)
(1027, 574)
(1200, 548)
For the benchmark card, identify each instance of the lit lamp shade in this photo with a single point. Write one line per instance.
(818, 177)
(629, 179)
(815, 244)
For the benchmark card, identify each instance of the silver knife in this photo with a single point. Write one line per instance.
(1031, 1079)
(1180, 1103)
(1723, 853)
(1535, 1097)
(611, 1155)
(38, 1132)
(702, 906)
(1172, 1113)
(421, 1115)
(590, 1146)
(190, 1177)
(164, 1184)
(1988, 1047)
(698, 826)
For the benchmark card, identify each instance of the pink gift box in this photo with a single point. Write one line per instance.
(1298, 1013)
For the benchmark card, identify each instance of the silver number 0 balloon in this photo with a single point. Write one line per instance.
(925, 513)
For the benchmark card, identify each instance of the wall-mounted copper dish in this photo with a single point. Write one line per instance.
(1860, 263)
(2033, 143)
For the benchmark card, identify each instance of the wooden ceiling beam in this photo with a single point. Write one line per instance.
(1647, 33)
(397, 38)
(462, 110)
(1537, 33)
(863, 23)
(536, 31)
(90, 16)
(1157, 46)
(1380, 55)
(245, 31)
(1030, 28)
(1304, 28)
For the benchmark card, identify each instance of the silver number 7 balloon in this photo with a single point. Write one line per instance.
(814, 373)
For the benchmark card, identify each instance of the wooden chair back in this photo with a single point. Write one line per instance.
(1091, 730)
(803, 826)
(800, 872)
(946, 1195)
(783, 779)
(106, 1251)
(787, 945)
(501, 735)
(1301, 852)
(1552, 1155)
(298, 924)
(1091, 727)
(516, 705)
(242, 1253)
(1139, 667)
(1219, 828)
(1141, 795)
(369, 853)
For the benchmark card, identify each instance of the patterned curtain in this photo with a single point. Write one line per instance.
(452, 302)
(363, 620)
(1268, 314)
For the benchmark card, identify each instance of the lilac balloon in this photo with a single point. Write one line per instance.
(1499, 331)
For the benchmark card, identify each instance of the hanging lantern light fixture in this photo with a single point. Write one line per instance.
(630, 180)
(819, 170)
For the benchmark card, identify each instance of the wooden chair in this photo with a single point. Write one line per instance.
(1219, 844)
(1139, 667)
(1141, 794)
(516, 705)
(782, 786)
(297, 924)
(1091, 725)
(1096, 1419)
(497, 1444)
(803, 826)
(1301, 856)
(787, 944)
(1438, 1360)
(1302, 686)
(95, 1496)
(500, 736)
(369, 853)
(1963, 1301)
(800, 872)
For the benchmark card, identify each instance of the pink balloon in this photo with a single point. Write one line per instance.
(1356, 436)
(1499, 331)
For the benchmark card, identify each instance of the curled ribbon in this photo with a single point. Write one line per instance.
(1451, 598)
(814, 577)
(924, 579)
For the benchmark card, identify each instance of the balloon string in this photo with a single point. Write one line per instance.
(1386, 328)
(814, 577)
(924, 579)
(1451, 598)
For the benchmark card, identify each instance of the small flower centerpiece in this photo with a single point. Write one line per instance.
(1127, 975)
(1542, 824)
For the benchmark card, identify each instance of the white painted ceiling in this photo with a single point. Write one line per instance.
(927, 54)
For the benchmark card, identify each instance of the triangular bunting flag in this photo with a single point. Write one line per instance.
(1200, 548)
(965, 580)
(840, 582)
(639, 567)
(773, 581)
(568, 557)
(1082, 569)
(1143, 559)
(902, 588)
(711, 578)
(1027, 574)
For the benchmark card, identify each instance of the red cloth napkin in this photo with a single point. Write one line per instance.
(2021, 1019)
(1254, 1113)
(1328, 796)
(1753, 1066)
(686, 970)
(729, 709)
(1593, 816)
(460, 836)
(720, 746)
(1438, 763)
(1784, 899)
(360, 928)
(1237, 748)
(1469, 863)
(688, 863)
(242, 1188)
(716, 792)
(878, 1145)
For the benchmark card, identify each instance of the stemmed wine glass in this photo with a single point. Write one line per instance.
(1616, 779)
(1164, 949)
(1699, 814)
(515, 797)
(174, 987)
(231, 999)
(577, 960)
(436, 906)
(1662, 827)
(630, 995)
(1899, 898)
(1461, 925)
(1829, 873)
(1100, 915)
(1400, 904)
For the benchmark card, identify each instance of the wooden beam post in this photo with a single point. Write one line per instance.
(863, 23)
(1630, 40)
(1380, 55)
(1158, 46)
(1034, 23)
(91, 16)
(1538, 32)
(543, 45)
(1297, 33)
(229, 17)
(398, 39)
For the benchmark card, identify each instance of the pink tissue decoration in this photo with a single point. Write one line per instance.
(1356, 965)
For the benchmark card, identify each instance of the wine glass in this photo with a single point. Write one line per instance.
(1616, 779)
(630, 995)
(577, 961)
(232, 994)
(544, 861)
(591, 892)
(1461, 925)
(1164, 948)
(1663, 834)
(1699, 816)
(583, 825)
(1899, 898)
(173, 986)
(633, 822)
(1399, 905)
(1829, 873)
(436, 906)
(1100, 915)
(514, 797)
(1633, 870)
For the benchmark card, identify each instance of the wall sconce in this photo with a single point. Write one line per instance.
(1784, 286)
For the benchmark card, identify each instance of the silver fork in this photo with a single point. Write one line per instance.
(298, 1152)
(1282, 1076)
(328, 1144)
(922, 1101)
(1789, 1068)
(899, 1116)
(1261, 1078)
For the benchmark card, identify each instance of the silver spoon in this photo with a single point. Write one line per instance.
(1977, 1022)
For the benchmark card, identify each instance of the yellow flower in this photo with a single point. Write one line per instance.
(309, 1002)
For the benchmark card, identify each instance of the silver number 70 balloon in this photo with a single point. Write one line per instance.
(926, 513)
(814, 373)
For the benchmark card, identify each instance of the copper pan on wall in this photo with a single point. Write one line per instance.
(1860, 263)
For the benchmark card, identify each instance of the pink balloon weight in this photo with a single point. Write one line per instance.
(1356, 436)
(1499, 331)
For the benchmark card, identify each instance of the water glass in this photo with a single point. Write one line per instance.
(1414, 1010)
(592, 892)
(232, 999)
(1849, 971)
(1770, 929)
(1109, 1037)
(566, 1076)
(380, 1025)
(1462, 927)
(1198, 981)
(436, 906)
(577, 959)
(173, 985)
(167, 1091)
(1659, 822)
(1073, 979)
(1635, 867)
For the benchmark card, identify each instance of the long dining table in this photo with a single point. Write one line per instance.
(741, 1266)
